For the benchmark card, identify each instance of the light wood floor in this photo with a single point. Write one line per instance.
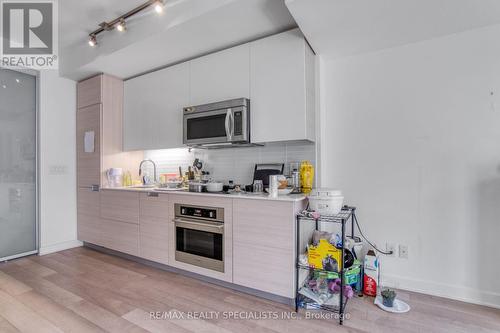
(81, 290)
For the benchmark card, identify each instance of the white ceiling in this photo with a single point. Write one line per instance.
(339, 28)
(187, 29)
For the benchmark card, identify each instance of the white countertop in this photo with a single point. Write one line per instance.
(235, 195)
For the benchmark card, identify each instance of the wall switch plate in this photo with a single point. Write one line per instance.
(403, 251)
(58, 170)
(390, 247)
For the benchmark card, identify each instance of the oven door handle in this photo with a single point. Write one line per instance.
(211, 227)
(229, 114)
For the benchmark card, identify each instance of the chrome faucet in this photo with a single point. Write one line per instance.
(145, 180)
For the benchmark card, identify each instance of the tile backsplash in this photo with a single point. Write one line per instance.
(233, 163)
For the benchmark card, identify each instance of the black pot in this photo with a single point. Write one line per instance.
(348, 258)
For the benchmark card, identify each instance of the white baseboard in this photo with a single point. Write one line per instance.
(459, 293)
(59, 247)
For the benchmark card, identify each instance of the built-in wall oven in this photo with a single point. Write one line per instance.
(217, 124)
(199, 236)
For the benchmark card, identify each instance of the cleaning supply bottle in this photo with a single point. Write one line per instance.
(371, 274)
(306, 176)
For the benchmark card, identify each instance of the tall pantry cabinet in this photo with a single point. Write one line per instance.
(99, 147)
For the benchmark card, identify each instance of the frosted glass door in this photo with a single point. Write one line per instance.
(18, 218)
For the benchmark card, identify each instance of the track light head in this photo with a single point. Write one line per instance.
(121, 26)
(158, 6)
(92, 41)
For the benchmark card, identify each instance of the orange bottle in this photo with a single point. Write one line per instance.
(306, 176)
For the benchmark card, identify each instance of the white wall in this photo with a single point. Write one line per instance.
(412, 137)
(57, 163)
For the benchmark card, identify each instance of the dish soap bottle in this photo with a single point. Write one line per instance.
(127, 179)
(306, 176)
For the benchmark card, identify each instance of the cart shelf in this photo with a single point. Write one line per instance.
(342, 217)
(311, 305)
(347, 214)
(309, 268)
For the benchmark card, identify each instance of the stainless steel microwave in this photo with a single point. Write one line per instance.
(217, 124)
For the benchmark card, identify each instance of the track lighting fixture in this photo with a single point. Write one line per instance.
(121, 26)
(92, 40)
(119, 22)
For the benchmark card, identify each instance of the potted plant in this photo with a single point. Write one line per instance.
(388, 296)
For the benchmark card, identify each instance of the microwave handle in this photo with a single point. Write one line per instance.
(232, 125)
(228, 124)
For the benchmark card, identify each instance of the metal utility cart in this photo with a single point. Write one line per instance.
(343, 218)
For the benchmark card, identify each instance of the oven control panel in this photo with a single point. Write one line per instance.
(199, 212)
(206, 213)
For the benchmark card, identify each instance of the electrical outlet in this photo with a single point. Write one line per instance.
(390, 247)
(403, 251)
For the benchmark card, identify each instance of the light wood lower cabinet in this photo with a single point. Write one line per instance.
(120, 206)
(120, 221)
(153, 227)
(259, 235)
(120, 236)
(88, 216)
(264, 245)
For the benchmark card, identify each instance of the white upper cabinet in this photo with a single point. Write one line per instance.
(276, 73)
(153, 109)
(282, 99)
(220, 76)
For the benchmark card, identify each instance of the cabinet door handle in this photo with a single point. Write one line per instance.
(152, 194)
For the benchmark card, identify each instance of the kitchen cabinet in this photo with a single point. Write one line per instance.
(99, 114)
(264, 245)
(120, 221)
(277, 73)
(88, 215)
(153, 105)
(120, 236)
(220, 76)
(153, 227)
(89, 91)
(88, 121)
(282, 88)
(121, 206)
(104, 121)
